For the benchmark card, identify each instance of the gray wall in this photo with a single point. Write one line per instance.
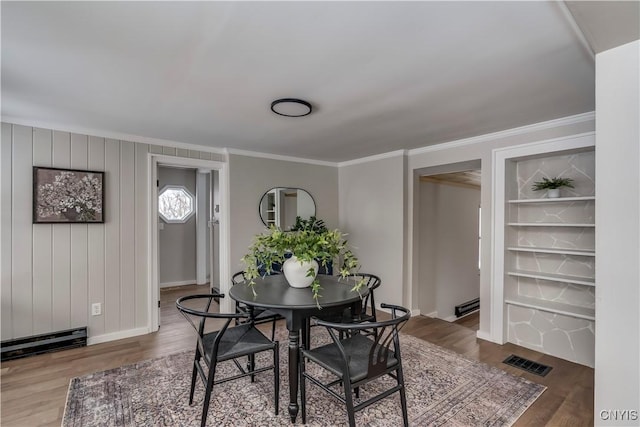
(472, 150)
(50, 274)
(372, 213)
(448, 263)
(177, 242)
(251, 177)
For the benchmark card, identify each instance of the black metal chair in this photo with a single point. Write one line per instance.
(368, 310)
(257, 314)
(227, 343)
(358, 360)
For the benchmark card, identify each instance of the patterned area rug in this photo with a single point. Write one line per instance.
(443, 389)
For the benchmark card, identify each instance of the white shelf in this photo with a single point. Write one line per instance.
(553, 307)
(576, 280)
(556, 200)
(549, 224)
(580, 252)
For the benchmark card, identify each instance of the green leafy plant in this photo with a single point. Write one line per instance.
(311, 224)
(312, 241)
(550, 184)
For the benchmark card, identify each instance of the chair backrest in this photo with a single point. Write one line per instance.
(237, 278)
(386, 334)
(198, 318)
(371, 281)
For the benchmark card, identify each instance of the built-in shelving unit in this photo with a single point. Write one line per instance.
(579, 252)
(556, 200)
(548, 224)
(564, 278)
(548, 264)
(553, 307)
(271, 208)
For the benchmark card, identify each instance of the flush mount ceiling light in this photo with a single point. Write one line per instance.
(291, 107)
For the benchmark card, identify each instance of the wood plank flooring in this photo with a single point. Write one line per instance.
(33, 389)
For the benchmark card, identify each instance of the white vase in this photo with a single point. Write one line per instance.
(296, 272)
(553, 193)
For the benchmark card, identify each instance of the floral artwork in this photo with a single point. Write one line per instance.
(64, 195)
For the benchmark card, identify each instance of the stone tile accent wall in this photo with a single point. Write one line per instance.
(560, 335)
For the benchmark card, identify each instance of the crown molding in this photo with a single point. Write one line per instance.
(257, 154)
(565, 121)
(109, 134)
(373, 158)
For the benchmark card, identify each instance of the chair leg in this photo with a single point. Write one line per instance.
(207, 395)
(348, 397)
(403, 397)
(196, 361)
(303, 389)
(276, 375)
(193, 382)
(252, 366)
(273, 330)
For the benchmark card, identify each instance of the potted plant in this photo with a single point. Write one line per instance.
(552, 186)
(300, 252)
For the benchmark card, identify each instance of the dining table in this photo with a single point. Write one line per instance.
(297, 306)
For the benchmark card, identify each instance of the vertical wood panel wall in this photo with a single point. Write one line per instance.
(52, 273)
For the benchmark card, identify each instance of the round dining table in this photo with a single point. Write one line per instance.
(297, 305)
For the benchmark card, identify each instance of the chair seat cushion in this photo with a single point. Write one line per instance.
(357, 350)
(236, 342)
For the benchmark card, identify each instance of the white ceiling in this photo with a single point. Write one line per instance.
(381, 76)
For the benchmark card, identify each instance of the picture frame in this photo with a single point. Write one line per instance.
(62, 196)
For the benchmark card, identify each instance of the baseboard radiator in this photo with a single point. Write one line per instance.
(467, 307)
(45, 343)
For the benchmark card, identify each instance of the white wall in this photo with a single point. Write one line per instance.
(617, 370)
(372, 206)
(448, 264)
(474, 149)
(177, 241)
(251, 177)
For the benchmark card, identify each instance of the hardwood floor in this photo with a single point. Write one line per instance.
(33, 390)
(471, 321)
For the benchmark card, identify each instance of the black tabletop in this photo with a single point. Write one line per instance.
(274, 292)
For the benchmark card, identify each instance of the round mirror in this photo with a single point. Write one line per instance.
(280, 206)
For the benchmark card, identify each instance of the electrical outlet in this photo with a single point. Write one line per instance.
(96, 309)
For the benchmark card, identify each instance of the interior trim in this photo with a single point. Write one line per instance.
(565, 121)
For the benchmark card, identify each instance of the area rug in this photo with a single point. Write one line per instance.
(443, 389)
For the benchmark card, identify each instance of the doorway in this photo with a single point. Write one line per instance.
(449, 243)
(198, 203)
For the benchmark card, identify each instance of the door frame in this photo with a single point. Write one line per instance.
(153, 289)
(473, 164)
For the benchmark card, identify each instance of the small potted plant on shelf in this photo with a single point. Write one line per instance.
(552, 186)
(300, 252)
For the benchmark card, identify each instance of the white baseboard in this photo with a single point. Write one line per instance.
(450, 318)
(415, 312)
(117, 335)
(433, 314)
(180, 283)
(484, 336)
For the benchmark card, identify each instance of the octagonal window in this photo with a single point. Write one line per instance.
(175, 204)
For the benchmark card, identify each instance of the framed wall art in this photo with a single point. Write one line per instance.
(67, 196)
